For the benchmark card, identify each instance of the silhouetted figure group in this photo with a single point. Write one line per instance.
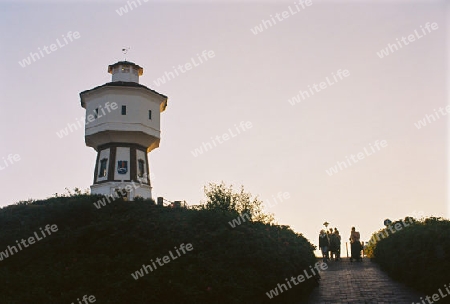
(330, 244)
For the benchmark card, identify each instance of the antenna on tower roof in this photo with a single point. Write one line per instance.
(125, 51)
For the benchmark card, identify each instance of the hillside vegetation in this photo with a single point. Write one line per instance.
(416, 253)
(96, 251)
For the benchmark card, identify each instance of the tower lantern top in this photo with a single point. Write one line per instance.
(125, 71)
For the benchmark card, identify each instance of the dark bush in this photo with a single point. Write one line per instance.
(418, 254)
(95, 251)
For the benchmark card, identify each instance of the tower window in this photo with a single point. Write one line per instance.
(141, 168)
(102, 171)
(150, 114)
(126, 70)
(124, 110)
(96, 113)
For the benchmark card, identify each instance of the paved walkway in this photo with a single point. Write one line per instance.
(359, 283)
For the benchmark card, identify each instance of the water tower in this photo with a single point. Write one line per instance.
(123, 126)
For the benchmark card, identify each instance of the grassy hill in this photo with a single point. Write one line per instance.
(95, 251)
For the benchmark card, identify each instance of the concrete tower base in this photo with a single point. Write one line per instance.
(127, 190)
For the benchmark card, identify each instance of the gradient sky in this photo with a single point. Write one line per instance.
(250, 79)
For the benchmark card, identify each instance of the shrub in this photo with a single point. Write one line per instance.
(95, 251)
(220, 197)
(417, 255)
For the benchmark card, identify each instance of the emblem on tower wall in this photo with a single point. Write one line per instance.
(122, 167)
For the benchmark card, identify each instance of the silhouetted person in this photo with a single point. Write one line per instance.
(329, 234)
(335, 245)
(355, 245)
(324, 244)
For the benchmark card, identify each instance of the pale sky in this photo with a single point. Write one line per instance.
(249, 79)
